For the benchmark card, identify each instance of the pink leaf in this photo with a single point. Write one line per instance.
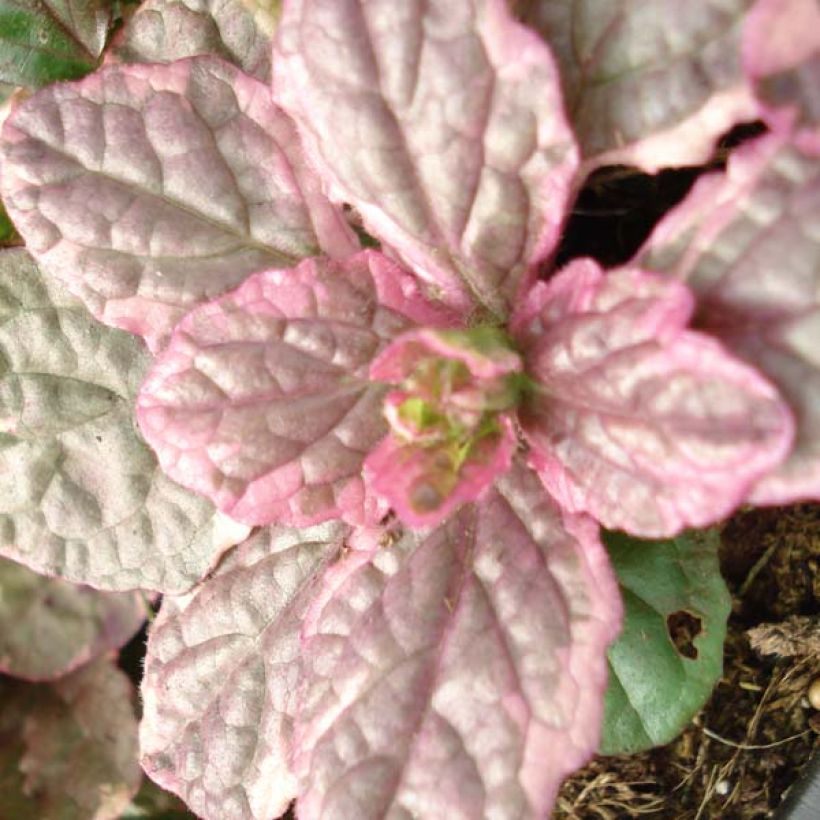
(450, 418)
(646, 425)
(443, 125)
(746, 244)
(460, 673)
(421, 484)
(150, 188)
(262, 400)
(651, 83)
(49, 627)
(221, 677)
(781, 54)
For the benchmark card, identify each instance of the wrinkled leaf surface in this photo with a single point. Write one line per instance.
(221, 677)
(81, 495)
(236, 30)
(150, 188)
(747, 244)
(442, 124)
(644, 424)
(459, 673)
(49, 627)
(262, 400)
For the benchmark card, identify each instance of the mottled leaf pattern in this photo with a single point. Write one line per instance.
(442, 123)
(69, 749)
(148, 189)
(46, 40)
(166, 30)
(645, 425)
(49, 627)
(221, 677)
(747, 244)
(458, 674)
(80, 493)
(651, 83)
(262, 401)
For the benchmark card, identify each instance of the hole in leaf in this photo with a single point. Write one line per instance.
(735, 136)
(619, 206)
(683, 628)
(616, 211)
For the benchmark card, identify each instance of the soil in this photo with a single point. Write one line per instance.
(751, 741)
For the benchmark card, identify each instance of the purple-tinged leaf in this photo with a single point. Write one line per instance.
(442, 124)
(746, 243)
(651, 83)
(781, 54)
(222, 673)
(69, 749)
(49, 627)
(150, 188)
(81, 495)
(425, 483)
(645, 425)
(262, 400)
(460, 673)
(237, 30)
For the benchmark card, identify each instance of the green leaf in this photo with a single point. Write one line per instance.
(654, 688)
(42, 41)
(7, 232)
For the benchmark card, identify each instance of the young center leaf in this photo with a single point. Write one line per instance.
(47, 40)
(457, 673)
(150, 188)
(221, 677)
(745, 241)
(633, 418)
(669, 656)
(81, 495)
(49, 627)
(262, 400)
(69, 749)
(651, 83)
(162, 31)
(442, 124)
